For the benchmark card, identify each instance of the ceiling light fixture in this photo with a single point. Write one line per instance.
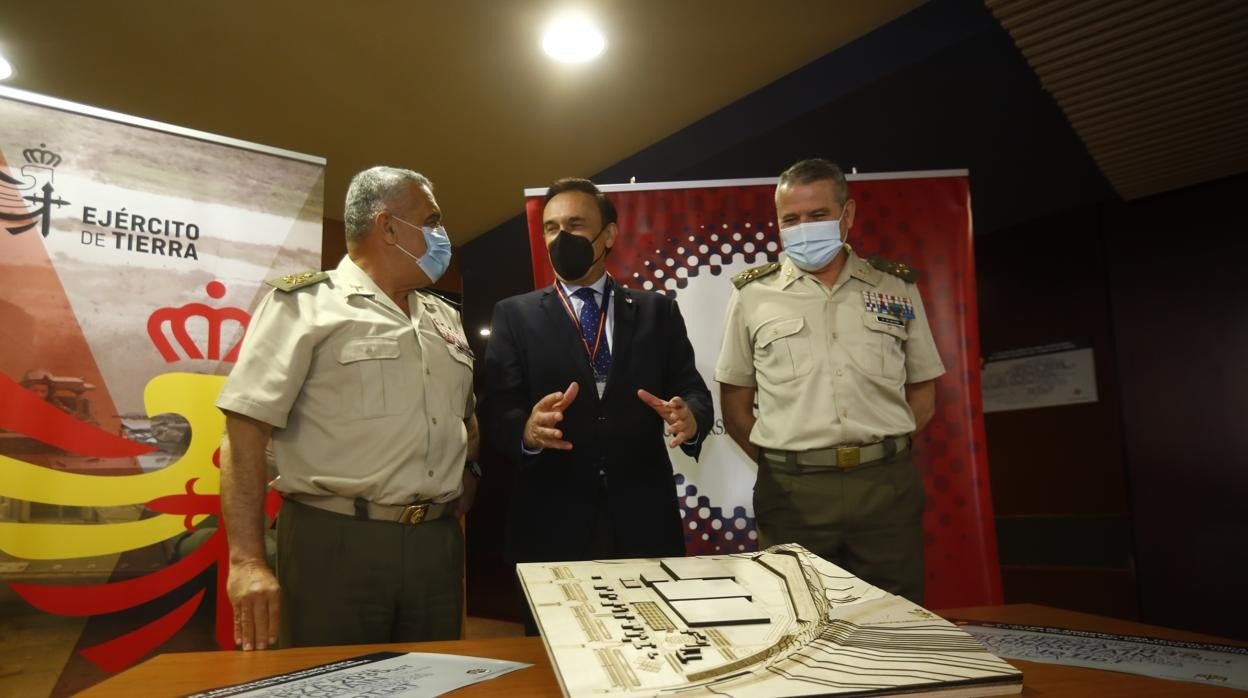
(573, 39)
(6, 69)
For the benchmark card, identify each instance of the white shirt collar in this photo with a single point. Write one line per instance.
(599, 286)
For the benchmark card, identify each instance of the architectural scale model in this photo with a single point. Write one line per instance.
(779, 622)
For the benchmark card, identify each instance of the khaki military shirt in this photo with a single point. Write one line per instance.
(828, 371)
(366, 400)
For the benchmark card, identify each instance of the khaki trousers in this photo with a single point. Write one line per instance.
(346, 581)
(867, 519)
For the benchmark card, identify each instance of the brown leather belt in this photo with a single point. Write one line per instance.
(841, 456)
(415, 513)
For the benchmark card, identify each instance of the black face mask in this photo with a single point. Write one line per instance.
(572, 255)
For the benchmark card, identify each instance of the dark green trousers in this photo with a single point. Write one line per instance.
(347, 582)
(868, 519)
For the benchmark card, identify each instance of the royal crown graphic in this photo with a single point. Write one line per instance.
(41, 156)
(15, 216)
(176, 319)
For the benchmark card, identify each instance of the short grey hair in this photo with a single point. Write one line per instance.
(370, 191)
(813, 170)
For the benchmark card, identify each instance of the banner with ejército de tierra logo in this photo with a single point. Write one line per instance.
(130, 254)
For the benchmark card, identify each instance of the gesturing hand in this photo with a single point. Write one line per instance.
(539, 430)
(681, 423)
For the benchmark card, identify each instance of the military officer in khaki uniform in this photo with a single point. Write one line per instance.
(364, 384)
(838, 353)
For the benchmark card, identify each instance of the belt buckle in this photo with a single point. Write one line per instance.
(847, 457)
(414, 514)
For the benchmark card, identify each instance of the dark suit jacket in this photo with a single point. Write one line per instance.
(534, 349)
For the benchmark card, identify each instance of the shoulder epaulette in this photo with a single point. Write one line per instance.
(754, 274)
(897, 269)
(294, 282)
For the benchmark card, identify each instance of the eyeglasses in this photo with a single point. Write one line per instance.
(436, 228)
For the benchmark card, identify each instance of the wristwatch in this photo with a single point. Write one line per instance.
(472, 466)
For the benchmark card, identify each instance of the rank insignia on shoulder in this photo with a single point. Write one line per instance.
(294, 282)
(897, 269)
(882, 303)
(754, 274)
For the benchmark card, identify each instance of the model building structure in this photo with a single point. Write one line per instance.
(779, 622)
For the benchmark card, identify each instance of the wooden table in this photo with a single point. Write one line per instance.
(182, 673)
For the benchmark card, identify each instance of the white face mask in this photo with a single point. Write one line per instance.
(812, 245)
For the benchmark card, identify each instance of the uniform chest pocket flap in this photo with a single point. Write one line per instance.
(380, 387)
(459, 355)
(365, 348)
(883, 348)
(782, 349)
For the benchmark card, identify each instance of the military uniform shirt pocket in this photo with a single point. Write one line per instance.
(881, 351)
(459, 380)
(375, 384)
(782, 349)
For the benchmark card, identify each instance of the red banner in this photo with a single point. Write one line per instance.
(687, 240)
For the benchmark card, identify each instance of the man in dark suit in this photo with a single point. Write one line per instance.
(582, 380)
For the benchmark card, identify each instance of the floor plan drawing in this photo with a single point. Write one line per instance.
(779, 622)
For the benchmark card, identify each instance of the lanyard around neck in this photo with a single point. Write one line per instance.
(602, 317)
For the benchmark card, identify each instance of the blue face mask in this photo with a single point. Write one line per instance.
(437, 257)
(812, 246)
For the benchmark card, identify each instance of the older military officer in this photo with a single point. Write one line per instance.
(364, 384)
(838, 353)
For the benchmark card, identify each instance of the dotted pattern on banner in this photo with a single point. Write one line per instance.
(710, 247)
(675, 235)
(707, 530)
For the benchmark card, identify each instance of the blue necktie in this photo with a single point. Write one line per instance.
(589, 316)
